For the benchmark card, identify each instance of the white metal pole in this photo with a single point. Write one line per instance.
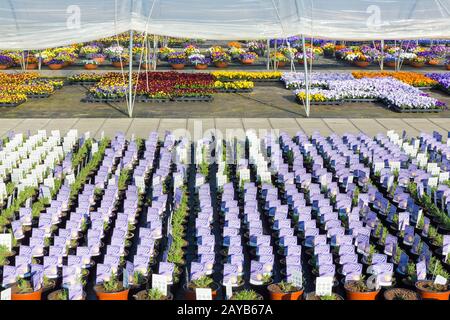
(382, 55)
(268, 54)
(130, 76)
(305, 64)
(275, 64)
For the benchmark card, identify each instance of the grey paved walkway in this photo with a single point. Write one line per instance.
(141, 127)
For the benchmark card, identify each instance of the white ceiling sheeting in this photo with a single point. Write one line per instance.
(35, 24)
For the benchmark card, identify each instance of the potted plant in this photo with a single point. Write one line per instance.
(5, 61)
(329, 49)
(202, 282)
(418, 62)
(199, 61)
(62, 294)
(428, 289)
(152, 294)
(447, 64)
(5, 253)
(55, 64)
(23, 290)
(90, 64)
(358, 290)
(246, 295)
(284, 291)
(98, 57)
(313, 296)
(31, 62)
(177, 60)
(119, 61)
(261, 285)
(248, 57)
(400, 294)
(220, 59)
(111, 289)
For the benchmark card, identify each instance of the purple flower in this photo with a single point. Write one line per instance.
(6, 60)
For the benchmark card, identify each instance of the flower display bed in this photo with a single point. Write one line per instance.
(442, 79)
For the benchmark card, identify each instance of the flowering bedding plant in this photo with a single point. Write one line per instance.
(177, 58)
(243, 75)
(235, 52)
(411, 78)
(234, 85)
(12, 98)
(196, 59)
(6, 60)
(279, 57)
(114, 51)
(248, 56)
(218, 56)
(319, 95)
(443, 79)
(89, 49)
(190, 50)
(288, 52)
(90, 62)
(295, 80)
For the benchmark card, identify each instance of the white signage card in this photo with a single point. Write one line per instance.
(324, 286)
(160, 282)
(440, 280)
(297, 279)
(203, 294)
(5, 294)
(6, 240)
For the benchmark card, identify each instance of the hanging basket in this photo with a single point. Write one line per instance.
(416, 64)
(390, 64)
(433, 62)
(3, 66)
(31, 66)
(90, 66)
(99, 60)
(281, 64)
(118, 64)
(248, 61)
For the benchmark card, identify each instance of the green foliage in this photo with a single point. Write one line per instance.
(63, 294)
(155, 294)
(287, 287)
(202, 282)
(112, 285)
(24, 286)
(125, 176)
(245, 295)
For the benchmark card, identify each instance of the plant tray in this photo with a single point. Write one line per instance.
(424, 88)
(266, 80)
(323, 103)
(193, 99)
(234, 90)
(360, 100)
(154, 100)
(10, 105)
(38, 96)
(92, 99)
(404, 110)
(445, 90)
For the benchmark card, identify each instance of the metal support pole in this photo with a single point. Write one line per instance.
(305, 64)
(155, 51)
(268, 55)
(382, 55)
(130, 77)
(275, 64)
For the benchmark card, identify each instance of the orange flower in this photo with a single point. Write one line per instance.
(411, 78)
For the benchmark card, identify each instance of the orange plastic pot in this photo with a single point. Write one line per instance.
(147, 66)
(362, 64)
(247, 61)
(432, 295)
(55, 66)
(390, 64)
(281, 64)
(3, 66)
(221, 64)
(433, 62)
(361, 295)
(90, 66)
(296, 295)
(177, 66)
(31, 66)
(201, 66)
(447, 66)
(118, 64)
(101, 295)
(416, 64)
(36, 295)
(99, 60)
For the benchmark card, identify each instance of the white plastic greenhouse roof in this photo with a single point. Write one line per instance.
(35, 24)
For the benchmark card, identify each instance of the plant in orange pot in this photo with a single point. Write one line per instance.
(417, 62)
(31, 62)
(284, 291)
(23, 290)
(358, 290)
(203, 282)
(199, 61)
(438, 288)
(248, 57)
(119, 61)
(279, 58)
(98, 57)
(5, 62)
(447, 64)
(55, 64)
(220, 59)
(111, 289)
(177, 60)
(90, 64)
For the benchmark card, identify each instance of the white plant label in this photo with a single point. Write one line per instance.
(297, 279)
(160, 282)
(203, 294)
(5, 294)
(229, 291)
(6, 240)
(440, 280)
(324, 286)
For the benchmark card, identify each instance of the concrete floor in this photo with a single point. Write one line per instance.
(195, 128)
(268, 100)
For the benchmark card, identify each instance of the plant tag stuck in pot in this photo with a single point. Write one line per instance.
(229, 290)
(440, 280)
(324, 286)
(203, 294)
(297, 279)
(160, 282)
(6, 240)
